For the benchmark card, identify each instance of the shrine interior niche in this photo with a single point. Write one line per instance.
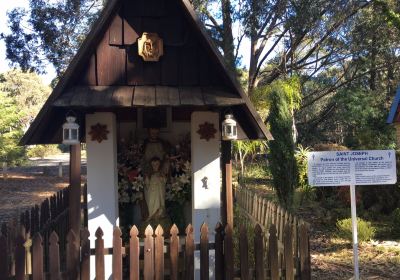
(154, 169)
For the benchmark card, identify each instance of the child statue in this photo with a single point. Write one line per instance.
(155, 165)
(155, 190)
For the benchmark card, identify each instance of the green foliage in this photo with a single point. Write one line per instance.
(48, 29)
(10, 131)
(245, 148)
(365, 229)
(302, 162)
(27, 91)
(42, 151)
(364, 115)
(388, 11)
(21, 96)
(396, 222)
(282, 160)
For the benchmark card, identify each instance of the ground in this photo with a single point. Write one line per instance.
(332, 257)
(31, 184)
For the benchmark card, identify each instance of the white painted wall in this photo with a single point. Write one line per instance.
(206, 201)
(102, 185)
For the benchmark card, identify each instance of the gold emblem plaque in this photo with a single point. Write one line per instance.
(150, 46)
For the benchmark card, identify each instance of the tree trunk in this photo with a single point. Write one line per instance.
(252, 68)
(227, 36)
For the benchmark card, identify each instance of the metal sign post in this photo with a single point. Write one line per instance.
(351, 168)
(354, 229)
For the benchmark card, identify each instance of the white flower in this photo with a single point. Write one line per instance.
(187, 166)
(184, 179)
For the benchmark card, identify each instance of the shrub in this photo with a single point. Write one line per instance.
(396, 222)
(43, 150)
(365, 229)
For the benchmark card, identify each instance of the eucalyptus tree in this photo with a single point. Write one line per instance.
(48, 32)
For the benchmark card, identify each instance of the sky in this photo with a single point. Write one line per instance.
(6, 5)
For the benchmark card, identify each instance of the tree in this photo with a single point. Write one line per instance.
(220, 27)
(21, 97)
(50, 31)
(10, 131)
(285, 36)
(388, 9)
(283, 96)
(351, 99)
(27, 91)
(245, 148)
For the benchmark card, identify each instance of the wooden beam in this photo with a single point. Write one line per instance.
(227, 193)
(75, 188)
(75, 203)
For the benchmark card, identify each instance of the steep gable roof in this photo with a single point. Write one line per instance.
(245, 112)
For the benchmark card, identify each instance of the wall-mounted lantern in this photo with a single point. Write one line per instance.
(229, 128)
(71, 131)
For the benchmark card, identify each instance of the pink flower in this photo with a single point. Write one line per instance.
(133, 174)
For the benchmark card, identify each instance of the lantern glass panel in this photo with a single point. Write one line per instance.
(74, 134)
(234, 131)
(66, 133)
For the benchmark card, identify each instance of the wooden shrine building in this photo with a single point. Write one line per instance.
(145, 64)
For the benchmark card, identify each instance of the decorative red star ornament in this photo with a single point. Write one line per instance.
(207, 131)
(99, 132)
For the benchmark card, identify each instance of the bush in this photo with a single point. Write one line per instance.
(365, 229)
(396, 222)
(42, 151)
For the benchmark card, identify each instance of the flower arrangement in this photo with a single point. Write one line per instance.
(130, 177)
(179, 190)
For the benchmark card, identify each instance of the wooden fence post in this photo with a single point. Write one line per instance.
(3, 257)
(85, 254)
(134, 251)
(20, 257)
(148, 271)
(259, 253)
(5, 170)
(37, 258)
(72, 251)
(159, 253)
(28, 256)
(288, 251)
(117, 254)
(273, 253)
(74, 194)
(304, 245)
(99, 253)
(60, 170)
(174, 252)
(54, 257)
(189, 253)
(219, 252)
(295, 239)
(204, 254)
(228, 253)
(244, 254)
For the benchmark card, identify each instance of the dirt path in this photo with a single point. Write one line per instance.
(31, 184)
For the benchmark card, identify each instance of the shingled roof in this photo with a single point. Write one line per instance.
(71, 92)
